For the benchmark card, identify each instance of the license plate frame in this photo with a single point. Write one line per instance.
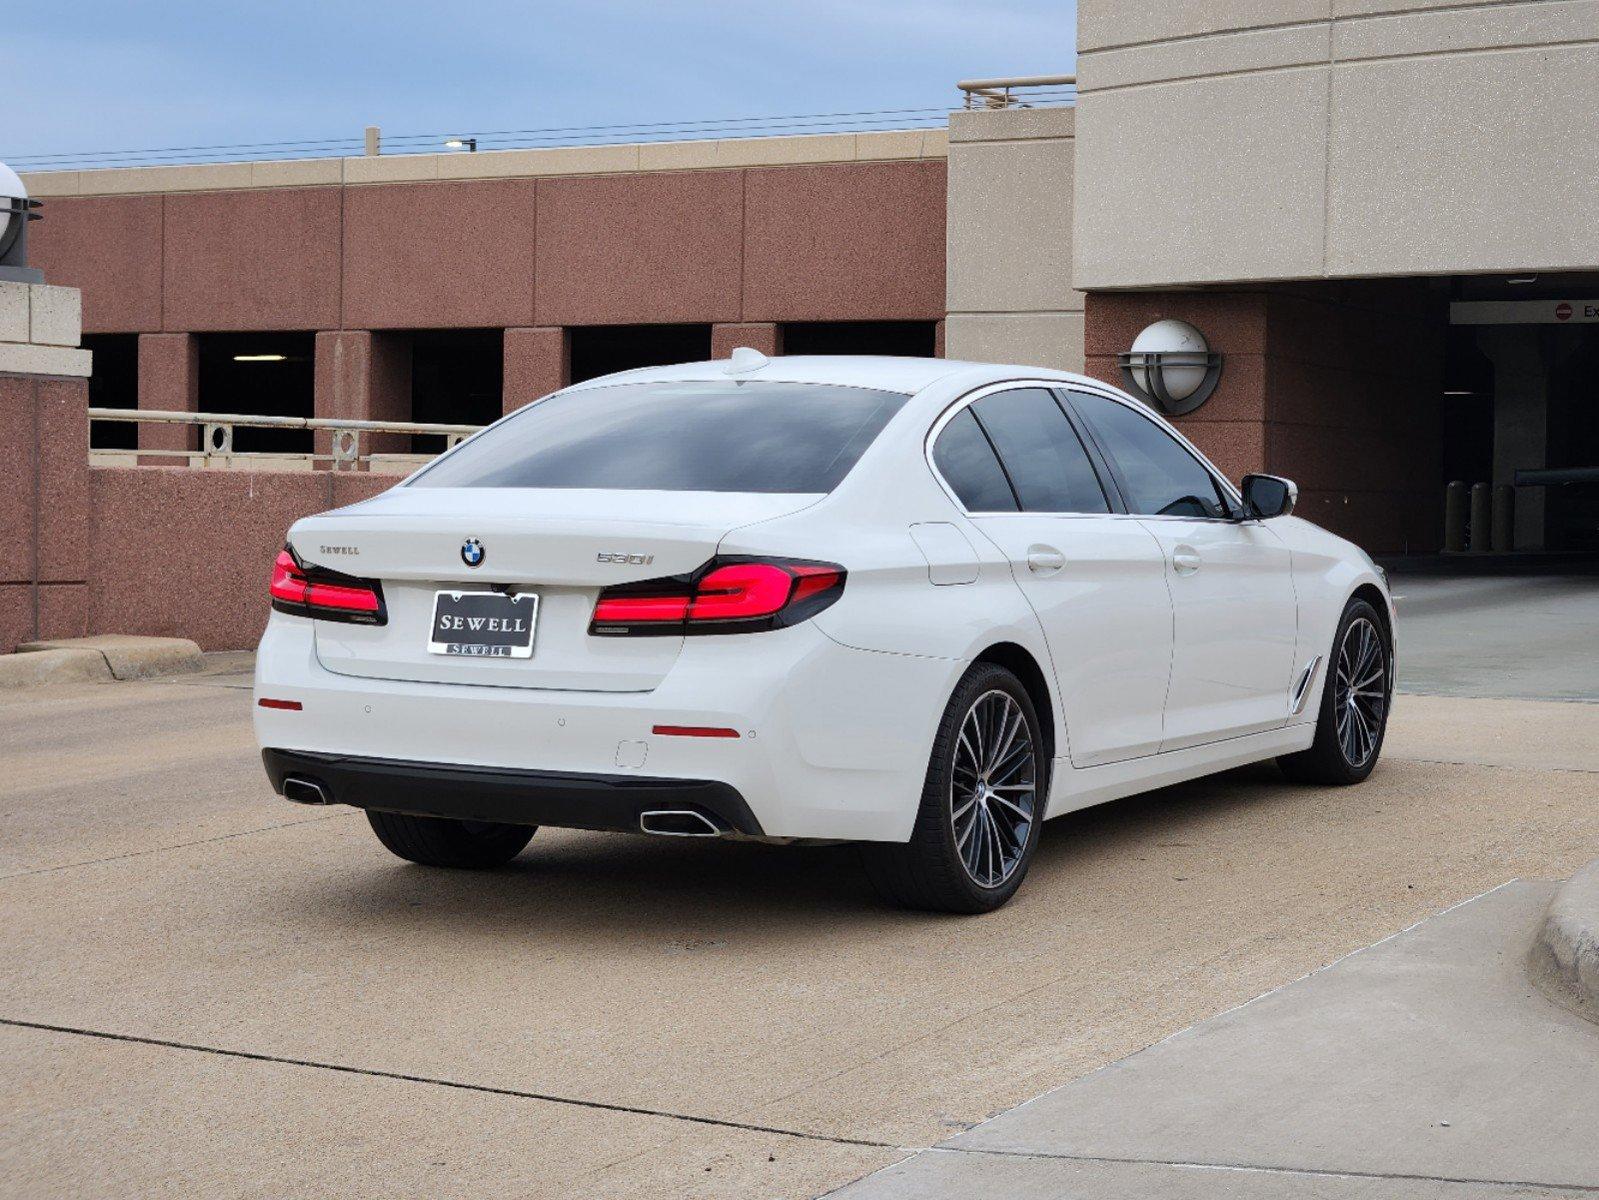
(477, 605)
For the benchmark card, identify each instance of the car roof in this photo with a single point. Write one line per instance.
(908, 375)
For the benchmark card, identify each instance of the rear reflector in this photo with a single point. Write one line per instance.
(285, 705)
(726, 595)
(326, 595)
(710, 731)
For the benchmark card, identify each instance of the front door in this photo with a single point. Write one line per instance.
(1235, 616)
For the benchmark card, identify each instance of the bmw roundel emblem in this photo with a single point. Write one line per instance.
(472, 552)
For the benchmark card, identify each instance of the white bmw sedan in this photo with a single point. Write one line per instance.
(920, 605)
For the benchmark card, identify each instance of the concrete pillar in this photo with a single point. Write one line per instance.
(536, 363)
(1521, 418)
(938, 339)
(44, 460)
(169, 381)
(363, 376)
(760, 335)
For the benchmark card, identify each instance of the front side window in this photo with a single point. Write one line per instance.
(1041, 452)
(1158, 475)
(744, 436)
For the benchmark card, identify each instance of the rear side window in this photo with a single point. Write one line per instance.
(744, 436)
(1042, 454)
(966, 461)
(1159, 476)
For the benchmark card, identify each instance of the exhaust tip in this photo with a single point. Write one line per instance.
(305, 791)
(678, 822)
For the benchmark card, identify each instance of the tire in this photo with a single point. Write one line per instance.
(1347, 753)
(970, 849)
(442, 842)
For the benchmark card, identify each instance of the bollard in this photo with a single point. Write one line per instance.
(1455, 509)
(1504, 519)
(1481, 521)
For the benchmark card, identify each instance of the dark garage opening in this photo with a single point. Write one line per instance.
(262, 374)
(457, 378)
(913, 339)
(601, 349)
(114, 383)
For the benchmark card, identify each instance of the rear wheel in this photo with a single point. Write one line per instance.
(442, 842)
(1353, 717)
(982, 803)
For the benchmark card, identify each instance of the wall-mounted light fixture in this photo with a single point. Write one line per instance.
(467, 144)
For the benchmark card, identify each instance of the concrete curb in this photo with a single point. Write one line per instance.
(1564, 962)
(125, 656)
(52, 666)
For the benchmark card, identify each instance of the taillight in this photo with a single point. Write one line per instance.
(326, 595)
(727, 595)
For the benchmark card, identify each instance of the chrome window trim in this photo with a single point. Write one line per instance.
(962, 403)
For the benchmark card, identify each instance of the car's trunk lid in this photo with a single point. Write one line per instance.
(563, 545)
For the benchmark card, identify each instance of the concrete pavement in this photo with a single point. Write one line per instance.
(1514, 636)
(294, 1012)
(1427, 1064)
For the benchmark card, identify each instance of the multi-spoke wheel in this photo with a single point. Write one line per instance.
(982, 803)
(993, 788)
(1360, 691)
(1354, 703)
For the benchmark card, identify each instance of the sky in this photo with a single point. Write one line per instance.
(91, 75)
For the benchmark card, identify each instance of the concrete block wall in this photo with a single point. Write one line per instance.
(1235, 140)
(44, 395)
(744, 232)
(1009, 238)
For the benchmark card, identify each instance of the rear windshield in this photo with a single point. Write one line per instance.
(738, 436)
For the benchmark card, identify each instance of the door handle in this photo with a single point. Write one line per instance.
(1044, 560)
(1185, 560)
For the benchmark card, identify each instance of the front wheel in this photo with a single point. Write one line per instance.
(443, 842)
(1353, 717)
(982, 803)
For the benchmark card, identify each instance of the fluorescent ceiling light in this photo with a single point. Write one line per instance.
(260, 358)
(1459, 393)
(1522, 279)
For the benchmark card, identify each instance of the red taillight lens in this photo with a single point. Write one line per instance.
(312, 593)
(725, 596)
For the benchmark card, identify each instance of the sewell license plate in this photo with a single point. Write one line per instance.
(483, 624)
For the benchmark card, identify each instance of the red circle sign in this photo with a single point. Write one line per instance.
(1562, 311)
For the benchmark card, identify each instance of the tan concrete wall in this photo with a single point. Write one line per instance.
(1246, 140)
(1009, 239)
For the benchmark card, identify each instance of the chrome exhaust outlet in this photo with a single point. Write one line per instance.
(305, 791)
(678, 822)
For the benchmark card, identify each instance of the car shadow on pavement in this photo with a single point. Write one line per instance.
(574, 884)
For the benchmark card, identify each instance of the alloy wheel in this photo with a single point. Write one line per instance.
(993, 788)
(1360, 691)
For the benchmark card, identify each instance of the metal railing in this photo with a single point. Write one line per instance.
(216, 450)
(1035, 89)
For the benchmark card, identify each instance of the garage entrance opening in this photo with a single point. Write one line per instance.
(114, 384)
(914, 339)
(262, 374)
(457, 377)
(600, 349)
(1522, 407)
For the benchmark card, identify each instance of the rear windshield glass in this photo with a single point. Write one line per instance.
(738, 436)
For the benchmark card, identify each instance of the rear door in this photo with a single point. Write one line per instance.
(1095, 580)
(1232, 591)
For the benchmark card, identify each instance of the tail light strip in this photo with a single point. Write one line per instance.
(726, 595)
(309, 591)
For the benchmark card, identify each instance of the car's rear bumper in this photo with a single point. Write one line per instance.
(831, 742)
(515, 796)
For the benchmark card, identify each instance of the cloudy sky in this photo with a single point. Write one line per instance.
(99, 75)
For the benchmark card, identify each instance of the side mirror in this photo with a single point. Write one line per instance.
(1267, 496)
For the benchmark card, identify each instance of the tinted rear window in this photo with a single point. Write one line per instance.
(677, 437)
